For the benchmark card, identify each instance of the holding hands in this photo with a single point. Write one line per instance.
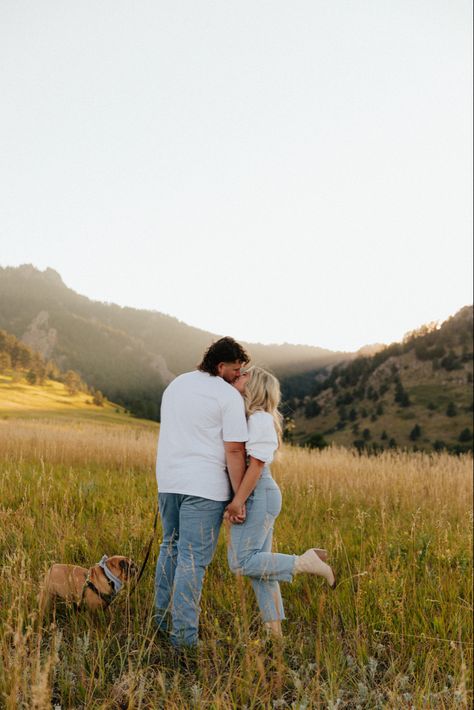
(235, 512)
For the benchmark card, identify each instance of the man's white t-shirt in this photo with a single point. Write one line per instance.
(198, 413)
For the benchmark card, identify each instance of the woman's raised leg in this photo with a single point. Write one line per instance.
(268, 595)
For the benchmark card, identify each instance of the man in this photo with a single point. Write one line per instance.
(203, 430)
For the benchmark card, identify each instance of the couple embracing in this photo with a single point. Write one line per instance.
(220, 428)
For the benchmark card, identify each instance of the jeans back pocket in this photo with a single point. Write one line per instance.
(273, 496)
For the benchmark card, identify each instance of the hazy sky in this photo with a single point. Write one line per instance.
(294, 170)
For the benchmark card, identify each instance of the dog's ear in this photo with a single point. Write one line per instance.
(128, 567)
(125, 566)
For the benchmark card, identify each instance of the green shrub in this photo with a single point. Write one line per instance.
(316, 441)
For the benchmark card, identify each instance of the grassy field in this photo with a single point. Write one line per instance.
(396, 633)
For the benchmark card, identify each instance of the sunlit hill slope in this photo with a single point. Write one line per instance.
(416, 394)
(51, 400)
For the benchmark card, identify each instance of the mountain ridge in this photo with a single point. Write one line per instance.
(130, 354)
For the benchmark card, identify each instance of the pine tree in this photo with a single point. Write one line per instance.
(98, 398)
(72, 382)
(31, 377)
(5, 361)
(451, 410)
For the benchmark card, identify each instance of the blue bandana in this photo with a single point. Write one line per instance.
(115, 581)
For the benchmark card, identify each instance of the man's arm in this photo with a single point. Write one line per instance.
(235, 458)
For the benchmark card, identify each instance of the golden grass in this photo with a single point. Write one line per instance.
(396, 633)
(18, 399)
(76, 442)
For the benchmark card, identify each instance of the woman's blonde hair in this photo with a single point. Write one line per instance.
(262, 394)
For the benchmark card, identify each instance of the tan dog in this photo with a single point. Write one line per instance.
(92, 588)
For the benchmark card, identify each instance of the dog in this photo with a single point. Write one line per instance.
(92, 588)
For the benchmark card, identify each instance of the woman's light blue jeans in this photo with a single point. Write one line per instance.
(190, 531)
(250, 546)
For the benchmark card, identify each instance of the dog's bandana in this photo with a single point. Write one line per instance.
(115, 581)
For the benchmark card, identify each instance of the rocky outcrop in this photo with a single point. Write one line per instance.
(39, 336)
(159, 363)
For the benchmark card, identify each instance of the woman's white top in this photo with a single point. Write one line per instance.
(263, 440)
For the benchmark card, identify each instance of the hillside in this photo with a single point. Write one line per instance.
(52, 401)
(127, 353)
(416, 394)
(34, 388)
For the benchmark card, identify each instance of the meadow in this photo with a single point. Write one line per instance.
(396, 632)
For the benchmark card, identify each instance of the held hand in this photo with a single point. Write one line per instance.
(234, 507)
(235, 512)
(234, 519)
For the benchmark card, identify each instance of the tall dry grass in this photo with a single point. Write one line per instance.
(74, 442)
(396, 633)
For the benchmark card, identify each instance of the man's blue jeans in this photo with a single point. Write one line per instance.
(190, 532)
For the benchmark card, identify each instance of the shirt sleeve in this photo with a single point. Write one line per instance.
(263, 441)
(234, 421)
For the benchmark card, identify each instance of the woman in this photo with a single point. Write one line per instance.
(250, 544)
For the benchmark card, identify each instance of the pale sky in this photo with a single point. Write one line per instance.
(295, 170)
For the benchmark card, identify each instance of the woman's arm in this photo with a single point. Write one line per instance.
(249, 481)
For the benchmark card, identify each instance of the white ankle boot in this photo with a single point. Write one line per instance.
(311, 563)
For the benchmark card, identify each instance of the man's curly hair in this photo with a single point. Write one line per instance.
(223, 350)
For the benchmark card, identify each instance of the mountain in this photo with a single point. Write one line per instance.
(416, 394)
(127, 353)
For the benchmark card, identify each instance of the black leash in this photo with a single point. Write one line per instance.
(110, 598)
(148, 550)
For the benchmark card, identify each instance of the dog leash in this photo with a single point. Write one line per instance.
(148, 550)
(145, 559)
(110, 598)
